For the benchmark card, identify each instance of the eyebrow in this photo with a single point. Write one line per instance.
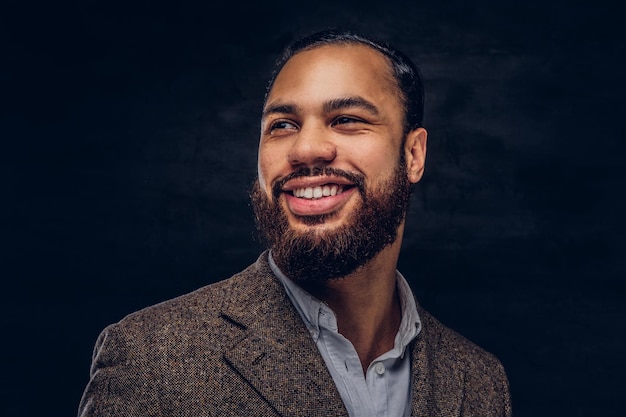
(328, 106)
(350, 102)
(284, 108)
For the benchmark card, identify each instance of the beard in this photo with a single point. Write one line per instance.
(323, 255)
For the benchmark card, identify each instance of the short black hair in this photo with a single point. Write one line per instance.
(406, 74)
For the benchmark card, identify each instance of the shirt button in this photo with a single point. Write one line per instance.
(379, 368)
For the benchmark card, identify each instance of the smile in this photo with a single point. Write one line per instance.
(326, 190)
(315, 200)
(314, 195)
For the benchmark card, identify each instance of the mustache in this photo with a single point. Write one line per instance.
(357, 179)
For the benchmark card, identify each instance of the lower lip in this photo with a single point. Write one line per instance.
(318, 206)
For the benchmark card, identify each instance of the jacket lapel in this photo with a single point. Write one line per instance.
(437, 386)
(275, 352)
(421, 394)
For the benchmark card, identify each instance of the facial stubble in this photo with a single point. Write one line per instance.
(321, 255)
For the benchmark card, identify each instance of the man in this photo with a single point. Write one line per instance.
(322, 324)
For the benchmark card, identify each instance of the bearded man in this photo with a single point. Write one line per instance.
(322, 324)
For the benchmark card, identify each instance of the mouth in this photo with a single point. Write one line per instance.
(315, 196)
(319, 191)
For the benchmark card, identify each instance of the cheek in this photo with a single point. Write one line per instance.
(375, 161)
(267, 166)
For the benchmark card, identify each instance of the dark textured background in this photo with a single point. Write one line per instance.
(128, 144)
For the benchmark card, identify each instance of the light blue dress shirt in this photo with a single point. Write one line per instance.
(385, 389)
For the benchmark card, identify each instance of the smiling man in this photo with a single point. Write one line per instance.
(322, 324)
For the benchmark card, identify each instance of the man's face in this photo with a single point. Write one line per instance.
(333, 186)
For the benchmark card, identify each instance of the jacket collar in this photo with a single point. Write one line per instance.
(275, 353)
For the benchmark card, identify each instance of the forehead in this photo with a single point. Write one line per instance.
(335, 70)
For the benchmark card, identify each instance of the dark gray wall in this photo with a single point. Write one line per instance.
(128, 144)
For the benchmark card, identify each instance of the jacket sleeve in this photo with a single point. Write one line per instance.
(120, 382)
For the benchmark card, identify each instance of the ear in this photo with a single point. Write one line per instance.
(415, 153)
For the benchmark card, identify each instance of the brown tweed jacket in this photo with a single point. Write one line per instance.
(239, 348)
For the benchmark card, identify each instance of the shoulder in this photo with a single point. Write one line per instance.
(461, 369)
(145, 362)
(198, 310)
(450, 346)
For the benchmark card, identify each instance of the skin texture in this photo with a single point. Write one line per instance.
(337, 106)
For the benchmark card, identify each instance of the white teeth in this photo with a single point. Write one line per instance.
(318, 192)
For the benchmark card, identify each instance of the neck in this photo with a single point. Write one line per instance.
(366, 305)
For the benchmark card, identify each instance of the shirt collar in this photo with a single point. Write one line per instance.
(310, 309)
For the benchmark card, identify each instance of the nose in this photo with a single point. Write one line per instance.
(312, 146)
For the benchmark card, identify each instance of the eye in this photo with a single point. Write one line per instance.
(342, 120)
(349, 124)
(281, 125)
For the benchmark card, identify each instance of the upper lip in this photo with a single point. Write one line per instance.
(316, 181)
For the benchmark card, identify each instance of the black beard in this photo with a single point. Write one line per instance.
(325, 255)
